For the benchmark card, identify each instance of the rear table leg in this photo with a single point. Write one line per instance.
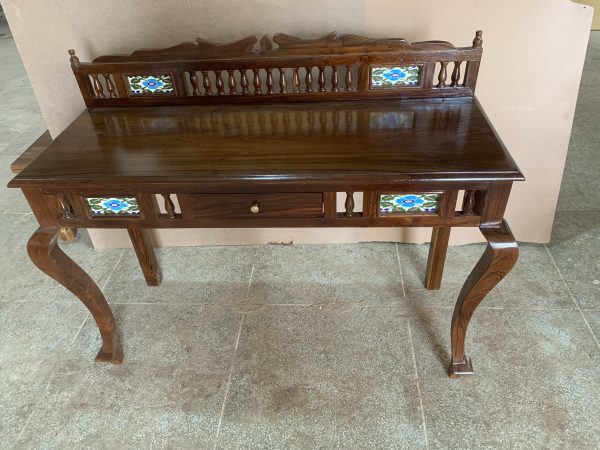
(142, 243)
(498, 259)
(437, 257)
(50, 259)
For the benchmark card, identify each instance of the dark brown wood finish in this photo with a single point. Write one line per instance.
(317, 127)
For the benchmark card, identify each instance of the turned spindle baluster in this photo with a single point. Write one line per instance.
(231, 83)
(321, 79)
(456, 74)
(442, 75)
(295, 80)
(98, 89)
(206, 83)
(469, 203)
(308, 79)
(169, 206)
(257, 84)
(269, 81)
(219, 83)
(244, 82)
(349, 205)
(64, 207)
(348, 78)
(335, 79)
(282, 84)
(194, 83)
(110, 87)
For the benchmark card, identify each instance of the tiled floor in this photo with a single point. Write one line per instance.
(295, 346)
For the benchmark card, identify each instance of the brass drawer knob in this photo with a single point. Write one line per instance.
(254, 209)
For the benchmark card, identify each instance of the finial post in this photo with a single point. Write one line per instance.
(74, 59)
(478, 41)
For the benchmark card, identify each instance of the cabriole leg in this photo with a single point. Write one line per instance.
(50, 259)
(499, 257)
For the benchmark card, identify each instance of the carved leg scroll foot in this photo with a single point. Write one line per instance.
(50, 259)
(499, 257)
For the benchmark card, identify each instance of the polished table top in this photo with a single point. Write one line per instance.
(429, 139)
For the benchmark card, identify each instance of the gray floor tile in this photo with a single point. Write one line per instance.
(521, 397)
(21, 387)
(533, 283)
(167, 394)
(575, 247)
(308, 378)
(218, 274)
(32, 331)
(20, 280)
(593, 319)
(327, 275)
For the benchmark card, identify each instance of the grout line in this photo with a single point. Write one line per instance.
(400, 270)
(35, 407)
(80, 328)
(237, 342)
(572, 296)
(414, 357)
(251, 272)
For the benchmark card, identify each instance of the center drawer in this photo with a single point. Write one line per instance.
(248, 206)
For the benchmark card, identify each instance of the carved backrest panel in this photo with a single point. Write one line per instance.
(325, 69)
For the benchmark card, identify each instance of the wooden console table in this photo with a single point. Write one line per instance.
(245, 135)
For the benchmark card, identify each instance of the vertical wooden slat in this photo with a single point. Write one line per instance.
(468, 203)
(442, 75)
(330, 205)
(282, 84)
(169, 206)
(348, 79)
(362, 84)
(321, 78)
(98, 89)
(110, 87)
(257, 84)
(219, 83)
(455, 74)
(244, 82)
(206, 83)
(295, 80)
(308, 79)
(370, 205)
(269, 80)
(335, 79)
(349, 204)
(231, 83)
(194, 82)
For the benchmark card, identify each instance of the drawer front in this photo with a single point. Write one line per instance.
(248, 206)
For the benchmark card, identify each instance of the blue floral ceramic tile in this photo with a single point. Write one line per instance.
(398, 76)
(408, 203)
(111, 206)
(150, 84)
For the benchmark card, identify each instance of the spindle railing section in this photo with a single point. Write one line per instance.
(329, 68)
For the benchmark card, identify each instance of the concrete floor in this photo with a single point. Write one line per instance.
(303, 346)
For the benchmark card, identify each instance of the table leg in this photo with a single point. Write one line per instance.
(145, 253)
(437, 257)
(498, 259)
(50, 259)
